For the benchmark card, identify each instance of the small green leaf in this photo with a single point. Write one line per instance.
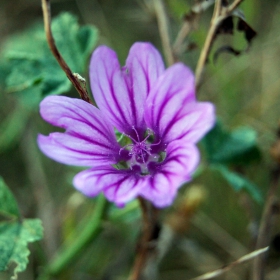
(34, 72)
(237, 147)
(238, 182)
(14, 233)
(30, 230)
(8, 204)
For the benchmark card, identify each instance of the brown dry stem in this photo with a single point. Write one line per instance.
(70, 75)
(145, 247)
(219, 14)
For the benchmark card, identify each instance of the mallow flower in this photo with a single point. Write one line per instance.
(141, 138)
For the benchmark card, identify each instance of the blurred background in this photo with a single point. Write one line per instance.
(212, 223)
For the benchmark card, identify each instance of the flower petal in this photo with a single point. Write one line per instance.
(174, 89)
(181, 161)
(89, 138)
(191, 123)
(111, 93)
(143, 67)
(119, 186)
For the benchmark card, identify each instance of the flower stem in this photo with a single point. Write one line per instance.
(145, 249)
(66, 256)
(70, 75)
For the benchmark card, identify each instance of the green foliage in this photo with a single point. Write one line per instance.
(236, 147)
(15, 234)
(34, 71)
(238, 182)
(8, 204)
(30, 72)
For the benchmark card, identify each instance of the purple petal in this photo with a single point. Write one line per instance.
(174, 89)
(181, 161)
(111, 93)
(89, 139)
(143, 67)
(191, 123)
(119, 186)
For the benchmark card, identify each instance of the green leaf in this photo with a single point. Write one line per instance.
(238, 182)
(34, 72)
(14, 233)
(14, 239)
(30, 230)
(8, 204)
(236, 147)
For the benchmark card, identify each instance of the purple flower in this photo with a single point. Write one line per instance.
(154, 113)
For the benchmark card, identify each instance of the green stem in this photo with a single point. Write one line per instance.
(68, 255)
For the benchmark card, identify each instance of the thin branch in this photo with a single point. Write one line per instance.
(215, 21)
(233, 6)
(149, 214)
(219, 14)
(265, 225)
(218, 272)
(189, 24)
(79, 85)
(163, 25)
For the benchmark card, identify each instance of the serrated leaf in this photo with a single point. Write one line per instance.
(31, 230)
(14, 233)
(8, 204)
(33, 67)
(236, 147)
(238, 182)
(14, 239)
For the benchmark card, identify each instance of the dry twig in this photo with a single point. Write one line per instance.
(71, 76)
(220, 13)
(243, 259)
(163, 25)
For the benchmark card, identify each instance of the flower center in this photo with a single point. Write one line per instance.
(140, 153)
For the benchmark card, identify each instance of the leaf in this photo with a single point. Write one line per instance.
(227, 27)
(236, 147)
(8, 204)
(238, 182)
(30, 230)
(15, 234)
(34, 71)
(14, 239)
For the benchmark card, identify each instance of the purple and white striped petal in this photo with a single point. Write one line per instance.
(191, 123)
(177, 168)
(119, 186)
(143, 67)
(174, 89)
(89, 139)
(121, 93)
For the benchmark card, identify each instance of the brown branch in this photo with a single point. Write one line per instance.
(163, 31)
(145, 247)
(78, 84)
(219, 14)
